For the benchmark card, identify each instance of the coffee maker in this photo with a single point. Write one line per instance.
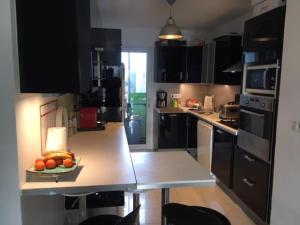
(161, 99)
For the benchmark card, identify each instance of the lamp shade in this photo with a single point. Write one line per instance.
(56, 139)
(170, 31)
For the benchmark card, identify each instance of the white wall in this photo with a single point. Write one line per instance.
(236, 26)
(286, 204)
(10, 212)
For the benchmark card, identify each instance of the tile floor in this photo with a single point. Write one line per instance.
(212, 197)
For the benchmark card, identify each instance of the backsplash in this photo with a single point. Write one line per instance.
(223, 93)
(197, 91)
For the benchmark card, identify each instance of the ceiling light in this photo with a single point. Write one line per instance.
(170, 31)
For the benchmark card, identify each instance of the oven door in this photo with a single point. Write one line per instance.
(255, 132)
(256, 122)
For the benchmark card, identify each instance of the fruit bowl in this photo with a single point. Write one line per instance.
(57, 170)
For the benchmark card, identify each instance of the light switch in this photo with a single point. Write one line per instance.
(296, 126)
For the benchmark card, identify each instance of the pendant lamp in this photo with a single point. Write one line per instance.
(170, 31)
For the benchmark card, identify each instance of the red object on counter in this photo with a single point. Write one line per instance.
(88, 117)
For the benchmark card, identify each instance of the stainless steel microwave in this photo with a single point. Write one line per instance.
(260, 79)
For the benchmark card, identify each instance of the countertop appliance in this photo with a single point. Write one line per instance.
(230, 112)
(204, 144)
(261, 79)
(161, 99)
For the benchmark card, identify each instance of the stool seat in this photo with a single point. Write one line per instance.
(113, 219)
(178, 214)
(102, 220)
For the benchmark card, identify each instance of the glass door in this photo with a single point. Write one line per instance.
(135, 122)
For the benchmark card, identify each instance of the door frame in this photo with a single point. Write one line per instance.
(149, 90)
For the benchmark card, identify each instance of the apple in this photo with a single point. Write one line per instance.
(59, 162)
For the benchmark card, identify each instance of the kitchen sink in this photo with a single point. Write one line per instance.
(201, 111)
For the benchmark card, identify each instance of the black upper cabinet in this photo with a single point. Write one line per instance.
(228, 51)
(265, 31)
(53, 43)
(110, 41)
(194, 64)
(177, 63)
(170, 64)
(264, 36)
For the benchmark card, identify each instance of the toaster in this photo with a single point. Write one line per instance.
(230, 112)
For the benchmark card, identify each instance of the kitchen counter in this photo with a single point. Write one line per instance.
(212, 119)
(209, 118)
(170, 110)
(169, 169)
(105, 165)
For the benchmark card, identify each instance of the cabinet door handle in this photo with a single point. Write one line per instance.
(248, 158)
(249, 183)
(180, 75)
(252, 113)
(220, 132)
(187, 76)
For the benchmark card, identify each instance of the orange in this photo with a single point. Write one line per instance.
(68, 163)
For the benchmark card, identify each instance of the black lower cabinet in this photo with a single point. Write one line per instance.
(222, 155)
(251, 182)
(171, 130)
(192, 131)
(191, 144)
(105, 199)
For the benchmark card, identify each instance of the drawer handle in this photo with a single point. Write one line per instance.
(249, 183)
(248, 158)
(220, 132)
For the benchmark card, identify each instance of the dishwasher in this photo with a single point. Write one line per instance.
(204, 144)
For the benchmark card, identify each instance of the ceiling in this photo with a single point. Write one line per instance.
(189, 14)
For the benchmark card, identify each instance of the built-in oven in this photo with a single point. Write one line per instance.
(256, 125)
(261, 79)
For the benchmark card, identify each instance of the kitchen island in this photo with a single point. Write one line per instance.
(105, 165)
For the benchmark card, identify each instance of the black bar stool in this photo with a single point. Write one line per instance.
(130, 219)
(178, 214)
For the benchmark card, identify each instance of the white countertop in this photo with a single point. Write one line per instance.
(105, 165)
(212, 118)
(168, 169)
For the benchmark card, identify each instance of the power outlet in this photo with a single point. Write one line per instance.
(296, 126)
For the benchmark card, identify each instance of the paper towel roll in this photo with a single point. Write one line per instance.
(56, 139)
(208, 103)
